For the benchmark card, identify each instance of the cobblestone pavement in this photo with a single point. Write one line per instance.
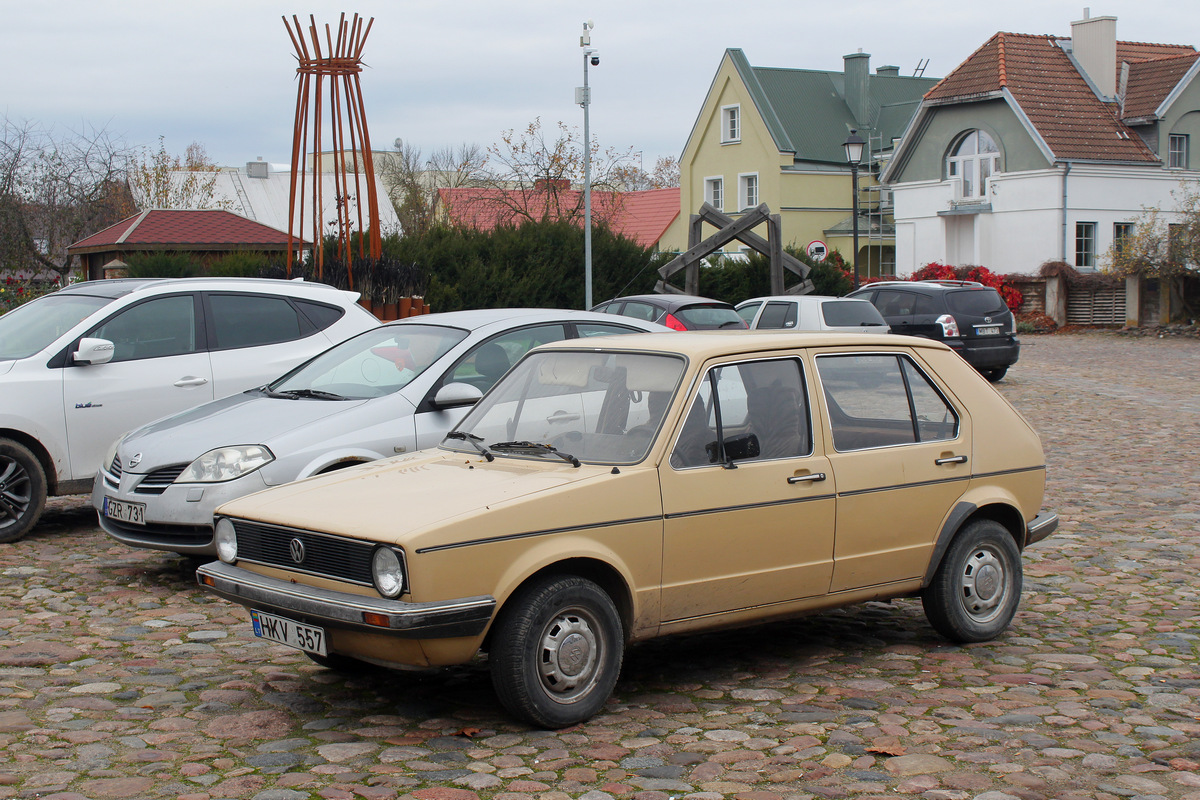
(119, 679)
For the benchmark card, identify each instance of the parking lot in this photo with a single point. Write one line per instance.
(120, 679)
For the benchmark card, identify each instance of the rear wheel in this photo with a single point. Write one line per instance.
(22, 490)
(977, 587)
(995, 373)
(556, 652)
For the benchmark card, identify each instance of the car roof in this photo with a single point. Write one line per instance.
(480, 317)
(119, 287)
(798, 298)
(670, 301)
(711, 344)
(927, 287)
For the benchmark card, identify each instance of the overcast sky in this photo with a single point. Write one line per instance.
(222, 73)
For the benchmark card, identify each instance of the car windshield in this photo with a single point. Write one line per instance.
(707, 317)
(848, 313)
(976, 302)
(32, 327)
(585, 406)
(373, 364)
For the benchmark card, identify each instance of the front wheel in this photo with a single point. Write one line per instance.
(22, 490)
(975, 592)
(556, 652)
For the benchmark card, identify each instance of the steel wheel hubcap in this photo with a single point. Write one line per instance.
(984, 585)
(15, 492)
(569, 655)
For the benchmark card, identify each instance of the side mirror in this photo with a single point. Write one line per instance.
(94, 351)
(453, 395)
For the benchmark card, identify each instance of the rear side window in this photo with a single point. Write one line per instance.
(778, 315)
(976, 302)
(846, 313)
(707, 317)
(748, 311)
(247, 320)
(881, 401)
(640, 311)
(320, 315)
(895, 304)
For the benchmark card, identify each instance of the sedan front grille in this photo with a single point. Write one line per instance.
(157, 482)
(323, 555)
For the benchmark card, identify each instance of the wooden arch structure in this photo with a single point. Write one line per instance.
(338, 100)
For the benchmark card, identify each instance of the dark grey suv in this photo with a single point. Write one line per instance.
(969, 317)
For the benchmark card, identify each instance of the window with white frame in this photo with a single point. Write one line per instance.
(1122, 233)
(1177, 151)
(974, 159)
(714, 193)
(748, 190)
(1085, 245)
(731, 124)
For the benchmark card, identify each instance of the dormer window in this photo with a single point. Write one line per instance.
(972, 161)
(731, 124)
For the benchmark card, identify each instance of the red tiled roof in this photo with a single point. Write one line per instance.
(1072, 120)
(1151, 81)
(189, 228)
(1140, 51)
(642, 216)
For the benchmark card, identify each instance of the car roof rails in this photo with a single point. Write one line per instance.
(952, 283)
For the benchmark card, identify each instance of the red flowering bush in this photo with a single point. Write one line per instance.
(15, 290)
(944, 272)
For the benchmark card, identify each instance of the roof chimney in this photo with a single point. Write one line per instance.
(1094, 45)
(857, 72)
(889, 70)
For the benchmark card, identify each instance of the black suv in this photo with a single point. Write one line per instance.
(969, 317)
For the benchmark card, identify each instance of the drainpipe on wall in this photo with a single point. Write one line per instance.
(1065, 248)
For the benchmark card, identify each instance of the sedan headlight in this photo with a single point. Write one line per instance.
(387, 569)
(226, 540)
(226, 464)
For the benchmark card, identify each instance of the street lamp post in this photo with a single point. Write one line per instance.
(583, 96)
(854, 149)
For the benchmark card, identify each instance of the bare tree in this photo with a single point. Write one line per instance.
(415, 183)
(159, 179)
(56, 189)
(632, 177)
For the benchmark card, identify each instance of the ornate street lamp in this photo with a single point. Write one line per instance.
(854, 150)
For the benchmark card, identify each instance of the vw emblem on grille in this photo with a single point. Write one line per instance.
(134, 460)
(296, 547)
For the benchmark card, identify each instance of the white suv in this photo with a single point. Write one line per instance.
(81, 366)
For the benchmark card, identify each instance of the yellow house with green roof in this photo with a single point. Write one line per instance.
(773, 135)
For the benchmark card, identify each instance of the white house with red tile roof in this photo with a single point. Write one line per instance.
(1041, 148)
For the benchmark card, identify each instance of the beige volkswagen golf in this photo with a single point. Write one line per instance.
(612, 490)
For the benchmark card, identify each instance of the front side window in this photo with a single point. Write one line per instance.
(164, 326)
(973, 160)
(714, 193)
(731, 124)
(1177, 151)
(485, 365)
(778, 315)
(1085, 244)
(882, 401)
(748, 189)
(746, 412)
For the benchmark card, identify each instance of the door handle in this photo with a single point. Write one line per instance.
(190, 381)
(811, 477)
(951, 460)
(562, 416)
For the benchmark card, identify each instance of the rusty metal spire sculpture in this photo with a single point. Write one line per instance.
(340, 60)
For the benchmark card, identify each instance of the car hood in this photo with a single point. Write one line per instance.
(247, 418)
(434, 498)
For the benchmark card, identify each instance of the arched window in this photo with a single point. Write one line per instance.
(971, 163)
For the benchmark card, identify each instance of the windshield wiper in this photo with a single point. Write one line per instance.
(534, 447)
(474, 441)
(315, 394)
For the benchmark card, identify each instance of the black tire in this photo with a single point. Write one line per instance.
(977, 587)
(995, 373)
(556, 652)
(22, 490)
(344, 665)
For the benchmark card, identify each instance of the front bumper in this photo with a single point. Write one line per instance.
(440, 619)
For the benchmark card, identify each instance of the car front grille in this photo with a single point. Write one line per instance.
(157, 482)
(323, 555)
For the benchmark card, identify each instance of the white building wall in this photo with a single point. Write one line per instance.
(1025, 224)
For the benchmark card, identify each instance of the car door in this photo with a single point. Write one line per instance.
(159, 367)
(900, 450)
(742, 528)
(255, 338)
